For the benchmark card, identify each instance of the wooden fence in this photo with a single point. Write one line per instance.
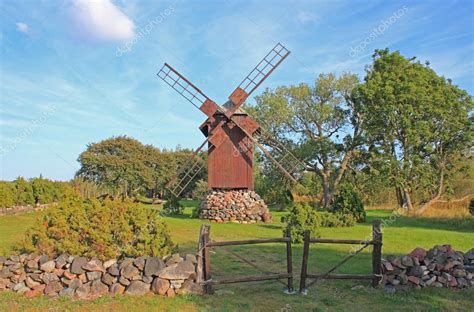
(376, 242)
(204, 262)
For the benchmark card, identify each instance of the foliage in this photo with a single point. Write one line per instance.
(23, 192)
(418, 124)
(302, 217)
(172, 205)
(338, 219)
(124, 166)
(200, 190)
(321, 124)
(348, 202)
(7, 194)
(106, 229)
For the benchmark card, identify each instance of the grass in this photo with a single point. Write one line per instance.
(400, 237)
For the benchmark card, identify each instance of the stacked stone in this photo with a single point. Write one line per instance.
(83, 278)
(440, 266)
(239, 206)
(22, 209)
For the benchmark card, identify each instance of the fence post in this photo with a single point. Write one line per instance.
(289, 262)
(376, 253)
(207, 259)
(200, 257)
(304, 265)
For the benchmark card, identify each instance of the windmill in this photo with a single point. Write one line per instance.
(231, 133)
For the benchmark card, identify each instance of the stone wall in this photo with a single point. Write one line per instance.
(441, 266)
(240, 206)
(83, 278)
(22, 209)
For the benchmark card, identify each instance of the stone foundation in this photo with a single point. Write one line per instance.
(239, 206)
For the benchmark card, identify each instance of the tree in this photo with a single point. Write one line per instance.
(323, 124)
(417, 121)
(7, 194)
(23, 192)
(122, 164)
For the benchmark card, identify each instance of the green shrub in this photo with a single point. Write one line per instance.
(302, 217)
(347, 201)
(173, 206)
(200, 189)
(105, 229)
(7, 194)
(23, 192)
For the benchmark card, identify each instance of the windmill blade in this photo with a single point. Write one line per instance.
(258, 74)
(188, 90)
(187, 173)
(280, 155)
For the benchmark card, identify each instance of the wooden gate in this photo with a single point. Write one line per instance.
(376, 242)
(204, 276)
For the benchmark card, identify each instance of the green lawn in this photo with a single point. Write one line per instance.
(400, 237)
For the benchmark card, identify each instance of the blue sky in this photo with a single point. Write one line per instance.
(76, 72)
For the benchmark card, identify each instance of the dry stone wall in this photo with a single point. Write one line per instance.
(84, 278)
(441, 266)
(240, 206)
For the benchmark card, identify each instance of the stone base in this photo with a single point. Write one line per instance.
(239, 206)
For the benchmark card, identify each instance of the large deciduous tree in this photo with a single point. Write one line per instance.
(418, 121)
(322, 122)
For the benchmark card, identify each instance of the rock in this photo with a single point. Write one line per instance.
(66, 292)
(109, 263)
(122, 280)
(83, 291)
(125, 262)
(3, 259)
(160, 286)
(6, 273)
(92, 276)
(116, 289)
(153, 266)
(49, 277)
(76, 265)
(48, 266)
(415, 280)
(388, 266)
(182, 270)
(129, 271)
(189, 287)
(430, 281)
(30, 282)
(83, 278)
(147, 279)
(98, 288)
(418, 253)
(94, 266)
(32, 264)
(417, 271)
(113, 270)
(4, 283)
(139, 263)
(462, 282)
(75, 283)
(61, 261)
(395, 282)
(137, 288)
(191, 258)
(69, 275)
(33, 293)
(108, 279)
(173, 259)
(407, 261)
(397, 261)
(20, 287)
(53, 287)
(459, 273)
(170, 293)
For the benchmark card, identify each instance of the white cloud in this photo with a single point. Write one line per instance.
(22, 27)
(307, 17)
(101, 19)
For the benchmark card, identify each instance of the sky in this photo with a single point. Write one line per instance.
(76, 72)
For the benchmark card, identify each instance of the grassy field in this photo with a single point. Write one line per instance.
(400, 237)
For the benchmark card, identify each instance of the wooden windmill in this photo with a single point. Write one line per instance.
(231, 133)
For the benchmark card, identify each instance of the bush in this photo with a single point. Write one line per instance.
(173, 206)
(347, 201)
(200, 189)
(23, 192)
(7, 194)
(302, 217)
(105, 229)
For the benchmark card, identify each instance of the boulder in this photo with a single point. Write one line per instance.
(94, 266)
(153, 266)
(113, 270)
(182, 270)
(139, 263)
(49, 277)
(75, 283)
(76, 265)
(53, 287)
(109, 263)
(137, 288)
(98, 288)
(66, 292)
(108, 279)
(129, 271)
(160, 286)
(116, 289)
(190, 287)
(92, 276)
(418, 253)
(83, 291)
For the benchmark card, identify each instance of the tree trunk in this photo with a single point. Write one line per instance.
(326, 192)
(399, 193)
(408, 200)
